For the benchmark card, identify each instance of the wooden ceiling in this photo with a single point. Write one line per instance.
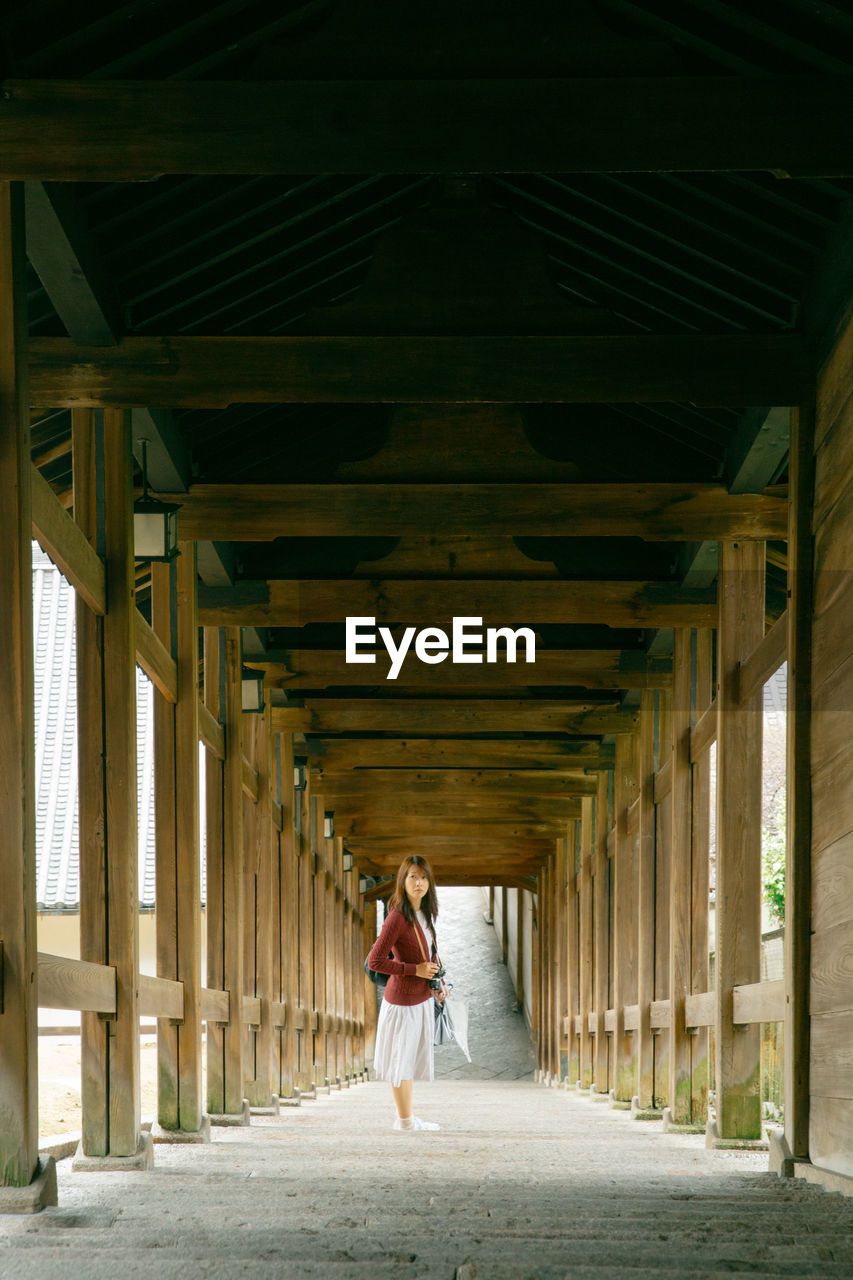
(484, 310)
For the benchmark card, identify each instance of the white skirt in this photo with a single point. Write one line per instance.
(404, 1042)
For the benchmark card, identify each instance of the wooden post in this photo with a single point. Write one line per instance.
(663, 859)
(289, 917)
(368, 990)
(624, 918)
(798, 885)
(232, 873)
(601, 938)
(318, 903)
(572, 954)
(519, 948)
(19, 1021)
(214, 790)
(646, 904)
(585, 940)
(700, 1047)
(681, 885)
(305, 957)
(739, 735)
(561, 950)
(504, 924)
(258, 914)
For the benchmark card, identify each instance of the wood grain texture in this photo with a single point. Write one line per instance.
(680, 1091)
(832, 885)
(759, 1002)
(450, 716)
(757, 668)
(831, 986)
(66, 544)
(155, 660)
(75, 984)
(832, 1055)
(335, 755)
(646, 901)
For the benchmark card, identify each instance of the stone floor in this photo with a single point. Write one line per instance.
(521, 1183)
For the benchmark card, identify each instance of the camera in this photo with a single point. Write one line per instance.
(435, 980)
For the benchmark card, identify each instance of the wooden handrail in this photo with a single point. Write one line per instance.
(759, 1002)
(215, 1005)
(632, 1017)
(700, 1010)
(252, 1010)
(660, 1014)
(278, 1014)
(160, 997)
(609, 1020)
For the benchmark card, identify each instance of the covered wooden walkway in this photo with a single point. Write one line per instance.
(536, 321)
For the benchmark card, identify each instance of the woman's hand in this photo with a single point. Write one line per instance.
(426, 969)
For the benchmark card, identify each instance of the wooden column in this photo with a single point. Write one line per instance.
(585, 940)
(798, 864)
(368, 990)
(572, 953)
(318, 894)
(305, 969)
(519, 948)
(680, 1093)
(538, 983)
(663, 859)
(739, 736)
(214, 790)
(19, 1017)
(561, 949)
(646, 904)
(289, 917)
(232, 872)
(700, 1041)
(601, 939)
(257, 910)
(624, 918)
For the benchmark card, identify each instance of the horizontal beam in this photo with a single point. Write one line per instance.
(765, 659)
(376, 783)
(453, 716)
(118, 131)
(215, 372)
(215, 1005)
(160, 998)
(67, 545)
(452, 753)
(700, 1010)
(584, 668)
(759, 1002)
(75, 984)
(663, 512)
(434, 602)
(451, 828)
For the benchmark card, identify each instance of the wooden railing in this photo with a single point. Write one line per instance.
(757, 1002)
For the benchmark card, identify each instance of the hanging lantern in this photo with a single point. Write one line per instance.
(252, 684)
(347, 864)
(299, 777)
(155, 524)
(328, 824)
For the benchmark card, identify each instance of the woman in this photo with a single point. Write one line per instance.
(404, 1034)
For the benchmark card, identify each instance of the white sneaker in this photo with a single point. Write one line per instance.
(409, 1127)
(425, 1124)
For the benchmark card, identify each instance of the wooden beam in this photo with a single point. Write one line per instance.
(215, 372)
(210, 732)
(64, 983)
(155, 660)
(440, 718)
(646, 904)
(668, 512)
(759, 1002)
(495, 784)
(452, 827)
(251, 783)
(680, 1091)
(584, 668)
(334, 755)
(119, 131)
(766, 658)
(704, 732)
(232, 871)
(67, 546)
(296, 602)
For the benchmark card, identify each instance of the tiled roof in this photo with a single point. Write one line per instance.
(57, 844)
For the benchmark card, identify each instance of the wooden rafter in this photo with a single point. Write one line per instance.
(442, 718)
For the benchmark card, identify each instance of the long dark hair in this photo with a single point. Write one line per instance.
(399, 899)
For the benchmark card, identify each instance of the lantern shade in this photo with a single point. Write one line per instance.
(298, 777)
(328, 824)
(155, 530)
(347, 864)
(364, 883)
(253, 690)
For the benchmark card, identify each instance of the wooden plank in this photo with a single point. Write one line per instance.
(832, 803)
(191, 372)
(232, 868)
(632, 1017)
(759, 1002)
(115, 131)
(512, 827)
(295, 603)
(277, 815)
(278, 1014)
(210, 733)
(260, 941)
(66, 544)
(214, 1006)
(832, 885)
(214, 854)
(330, 754)
(646, 914)
(251, 1011)
(738, 912)
(450, 716)
(799, 769)
(160, 997)
(699, 1010)
(765, 659)
(459, 784)
(155, 659)
(75, 984)
(700, 1063)
(19, 1038)
(624, 917)
(831, 970)
(587, 668)
(668, 512)
(831, 1132)
(632, 815)
(609, 1020)
(703, 733)
(659, 1015)
(602, 940)
(832, 1055)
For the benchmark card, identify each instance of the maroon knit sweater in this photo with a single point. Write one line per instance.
(399, 937)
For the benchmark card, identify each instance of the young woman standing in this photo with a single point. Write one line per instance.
(404, 1033)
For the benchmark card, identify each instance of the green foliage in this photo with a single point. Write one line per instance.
(773, 861)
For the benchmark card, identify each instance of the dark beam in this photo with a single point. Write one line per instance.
(434, 602)
(66, 261)
(655, 512)
(129, 130)
(741, 369)
(360, 754)
(417, 717)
